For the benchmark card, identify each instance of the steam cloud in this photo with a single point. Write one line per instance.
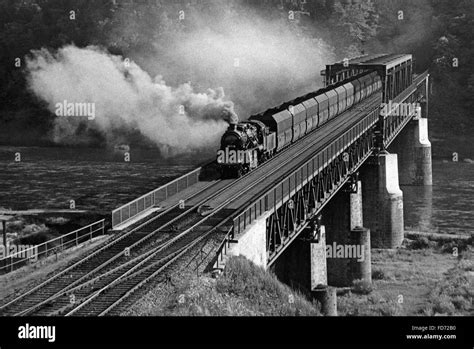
(176, 119)
(259, 62)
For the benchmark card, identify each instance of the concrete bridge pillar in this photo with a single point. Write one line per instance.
(327, 297)
(319, 271)
(303, 264)
(414, 151)
(361, 268)
(347, 243)
(382, 201)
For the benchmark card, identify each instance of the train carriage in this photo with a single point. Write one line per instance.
(284, 125)
(357, 90)
(349, 95)
(311, 114)
(299, 121)
(323, 109)
(332, 99)
(341, 99)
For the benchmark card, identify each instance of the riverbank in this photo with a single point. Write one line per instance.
(422, 278)
(38, 226)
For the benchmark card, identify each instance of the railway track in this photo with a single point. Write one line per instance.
(158, 264)
(96, 261)
(101, 281)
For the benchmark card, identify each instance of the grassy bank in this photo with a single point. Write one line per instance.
(423, 278)
(242, 290)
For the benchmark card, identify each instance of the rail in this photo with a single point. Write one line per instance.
(133, 208)
(31, 254)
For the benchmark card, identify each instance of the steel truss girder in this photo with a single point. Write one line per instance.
(391, 125)
(292, 216)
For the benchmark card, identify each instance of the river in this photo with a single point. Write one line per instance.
(100, 180)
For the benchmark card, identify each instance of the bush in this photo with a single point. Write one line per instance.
(461, 303)
(378, 274)
(57, 220)
(448, 247)
(443, 305)
(35, 239)
(34, 229)
(419, 243)
(362, 287)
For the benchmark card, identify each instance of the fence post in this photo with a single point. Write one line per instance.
(90, 230)
(11, 263)
(77, 241)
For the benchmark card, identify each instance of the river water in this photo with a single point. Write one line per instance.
(101, 180)
(447, 206)
(96, 179)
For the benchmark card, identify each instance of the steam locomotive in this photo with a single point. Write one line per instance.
(247, 144)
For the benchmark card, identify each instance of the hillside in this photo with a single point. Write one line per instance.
(437, 32)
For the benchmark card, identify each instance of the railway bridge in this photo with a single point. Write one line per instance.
(315, 226)
(311, 213)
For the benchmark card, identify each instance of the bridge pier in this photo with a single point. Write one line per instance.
(303, 264)
(382, 201)
(327, 297)
(414, 150)
(311, 278)
(251, 244)
(348, 244)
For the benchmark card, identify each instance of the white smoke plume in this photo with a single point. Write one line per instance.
(176, 119)
(259, 63)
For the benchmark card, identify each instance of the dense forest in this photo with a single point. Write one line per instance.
(280, 45)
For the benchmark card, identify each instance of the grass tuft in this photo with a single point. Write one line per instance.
(361, 287)
(242, 290)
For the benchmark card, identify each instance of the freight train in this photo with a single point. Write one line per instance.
(247, 144)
